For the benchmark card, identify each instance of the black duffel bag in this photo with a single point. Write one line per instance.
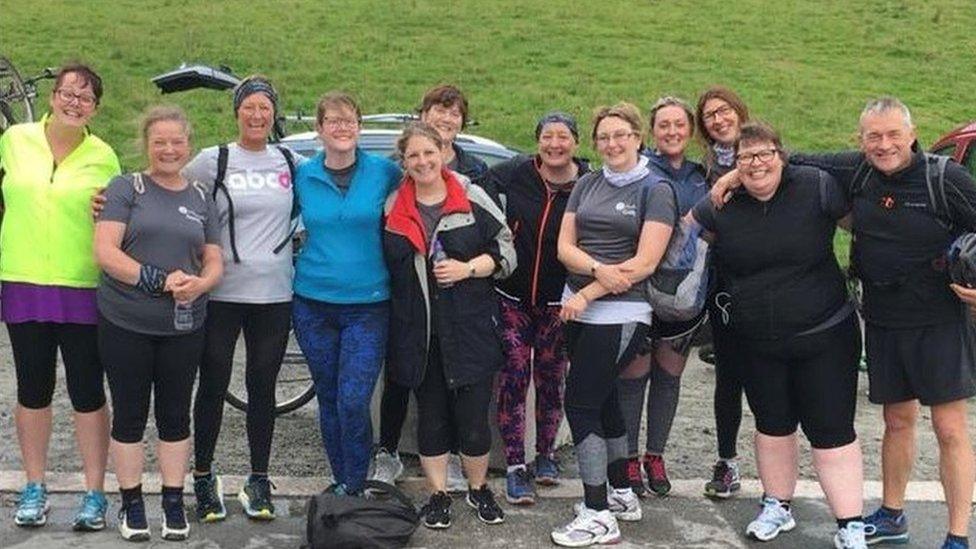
(350, 522)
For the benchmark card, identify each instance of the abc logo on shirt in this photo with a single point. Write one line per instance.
(256, 181)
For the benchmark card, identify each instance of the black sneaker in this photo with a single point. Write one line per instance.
(132, 521)
(437, 511)
(483, 501)
(210, 498)
(175, 527)
(255, 497)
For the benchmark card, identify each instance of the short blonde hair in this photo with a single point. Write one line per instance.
(163, 113)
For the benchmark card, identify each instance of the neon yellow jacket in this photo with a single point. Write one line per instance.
(47, 232)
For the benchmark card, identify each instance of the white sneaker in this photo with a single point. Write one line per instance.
(588, 528)
(851, 536)
(387, 466)
(456, 482)
(773, 518)
(624, 504)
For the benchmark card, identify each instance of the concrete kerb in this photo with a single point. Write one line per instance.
(299, 487)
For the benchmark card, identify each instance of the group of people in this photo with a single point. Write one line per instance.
(462, 283)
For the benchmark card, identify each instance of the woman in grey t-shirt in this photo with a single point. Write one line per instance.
(615, 230)
(156, 241)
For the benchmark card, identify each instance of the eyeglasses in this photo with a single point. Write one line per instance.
(83, 99)
(723, 111)
(335, 123)
(605, 138)
(762, 156)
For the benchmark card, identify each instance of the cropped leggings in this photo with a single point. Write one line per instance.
(35, 348)
(265, 328)
(139, 365)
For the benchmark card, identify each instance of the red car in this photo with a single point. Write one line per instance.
(960, 144)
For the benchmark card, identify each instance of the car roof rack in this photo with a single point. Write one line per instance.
(190, 77)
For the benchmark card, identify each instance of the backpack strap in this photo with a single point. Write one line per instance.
(138, 184)
(290, 160)
(861, 176)
(935, 168)
(223, 153)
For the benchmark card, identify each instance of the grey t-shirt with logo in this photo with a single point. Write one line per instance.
(260, 187)
(164, 228)
(606, 223)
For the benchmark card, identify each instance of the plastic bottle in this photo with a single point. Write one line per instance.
(437, 255)
(183, 316)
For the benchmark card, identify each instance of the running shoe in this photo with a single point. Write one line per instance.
(657, 476)
(483, 501)
(725, 479)
(91, 514)
(518, 487)
(456, 483)
(32, 507)
(546, 470)
(635, 478)
(387, 466)
(624, 504)
(209, 491)
(175, 527)
(132, 521)
(850, 536)
(588, 528)
(882, 526)
(255, 497)
(950, 543)
(773, 518)
(437, 511)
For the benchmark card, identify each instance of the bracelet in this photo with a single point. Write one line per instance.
(471, 271)
(152, 279)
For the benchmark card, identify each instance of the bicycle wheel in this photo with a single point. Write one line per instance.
(15, 103)
(293, 390)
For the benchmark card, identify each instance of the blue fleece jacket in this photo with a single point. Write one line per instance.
(342, 259)
(689, 180)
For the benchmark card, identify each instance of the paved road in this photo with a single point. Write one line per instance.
(671, 522)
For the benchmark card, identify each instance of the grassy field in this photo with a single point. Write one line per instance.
(804, 66)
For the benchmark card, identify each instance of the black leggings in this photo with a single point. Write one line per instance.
(265, 329)
(445, 415)
(139, 364)
(597, 353)
(728, 382)
(35, 349)
(393, 412)
(810, 380)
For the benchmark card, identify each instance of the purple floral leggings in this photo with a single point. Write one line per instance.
(527, 328)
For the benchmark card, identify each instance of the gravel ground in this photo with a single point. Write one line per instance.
(297, 447)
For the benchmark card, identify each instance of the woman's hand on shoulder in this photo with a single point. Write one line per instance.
(721, 191)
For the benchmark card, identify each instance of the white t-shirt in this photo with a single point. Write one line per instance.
(260, 187)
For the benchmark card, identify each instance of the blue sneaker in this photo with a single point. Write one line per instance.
(546, 471)
(518, 487)
(880, 527)
(32, 507)
(950, 543)
(91, 515)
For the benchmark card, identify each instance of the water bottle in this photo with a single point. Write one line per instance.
(437, 255)
(183, 317)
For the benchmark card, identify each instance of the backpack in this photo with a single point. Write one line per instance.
(679, 285)
(223, 154)
(350, 522)
(937, 206)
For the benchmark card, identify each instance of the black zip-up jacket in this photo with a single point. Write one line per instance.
(464, 317)
(468, 165)
(534, 213)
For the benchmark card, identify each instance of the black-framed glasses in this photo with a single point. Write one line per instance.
(723, 111)
(762, 156)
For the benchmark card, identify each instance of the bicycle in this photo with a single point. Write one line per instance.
(17, 95)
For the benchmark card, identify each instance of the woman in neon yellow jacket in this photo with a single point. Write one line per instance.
(48, 277)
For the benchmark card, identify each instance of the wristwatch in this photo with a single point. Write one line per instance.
(594, 266)
(471, 271)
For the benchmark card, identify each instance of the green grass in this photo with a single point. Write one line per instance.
(804, 66)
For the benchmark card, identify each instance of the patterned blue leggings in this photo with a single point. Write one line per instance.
(344, 346)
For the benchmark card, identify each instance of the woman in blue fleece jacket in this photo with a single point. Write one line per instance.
(342, 290)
